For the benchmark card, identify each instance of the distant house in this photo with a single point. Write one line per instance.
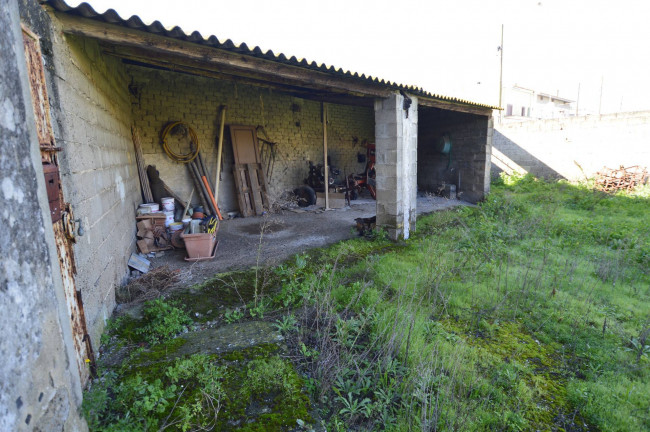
(521, 103)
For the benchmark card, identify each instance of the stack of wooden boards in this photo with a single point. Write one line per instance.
(152, 234)
(248, 171)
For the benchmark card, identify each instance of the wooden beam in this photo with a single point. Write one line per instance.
(124, 36)
(326, 167)
(136, 44)
(316, 95)
(454, 106)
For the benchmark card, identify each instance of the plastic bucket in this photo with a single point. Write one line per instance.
(167, 204)
(175, 226)
(169, 218)
(153, 206)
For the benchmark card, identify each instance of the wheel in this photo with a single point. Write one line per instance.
(306, 196)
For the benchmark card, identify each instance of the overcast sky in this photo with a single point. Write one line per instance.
(446, 47)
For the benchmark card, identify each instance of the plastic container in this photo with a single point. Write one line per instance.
(167, 204)
(186, 221)
(169, 218)
(175, 226)
(199, 246)
(153, 206)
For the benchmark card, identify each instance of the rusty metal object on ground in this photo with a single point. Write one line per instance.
(613, 180)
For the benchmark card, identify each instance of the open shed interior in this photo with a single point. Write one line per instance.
(452, 150)
(292, 123)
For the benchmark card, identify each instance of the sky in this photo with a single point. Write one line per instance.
(446, 47)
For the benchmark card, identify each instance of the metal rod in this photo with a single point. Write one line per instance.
(198, 184)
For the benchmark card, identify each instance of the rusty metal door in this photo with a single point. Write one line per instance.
(60, 211)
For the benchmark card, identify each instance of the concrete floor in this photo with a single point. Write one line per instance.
(284, 234)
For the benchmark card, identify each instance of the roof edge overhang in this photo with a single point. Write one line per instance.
(134, 41)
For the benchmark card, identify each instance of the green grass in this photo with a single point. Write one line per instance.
(529, 304)
(528, 312)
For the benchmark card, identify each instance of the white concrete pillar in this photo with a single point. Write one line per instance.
(396, 138)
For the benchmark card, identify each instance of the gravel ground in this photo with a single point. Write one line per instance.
(285, 234)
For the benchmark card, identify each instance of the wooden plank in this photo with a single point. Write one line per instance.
(244, 144)
(243, 192)
(142, 173)
(326, 171)
(263, 186)
(256, 193)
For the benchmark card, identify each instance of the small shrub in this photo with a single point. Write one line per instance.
(163, 320)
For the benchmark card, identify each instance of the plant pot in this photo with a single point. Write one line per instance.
(199, 246)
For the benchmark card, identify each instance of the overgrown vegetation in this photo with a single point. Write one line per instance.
(528, 312)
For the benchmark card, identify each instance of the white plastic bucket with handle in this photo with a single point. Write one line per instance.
(169, 218)
(168, 204)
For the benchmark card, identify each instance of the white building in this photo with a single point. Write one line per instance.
(521, 103)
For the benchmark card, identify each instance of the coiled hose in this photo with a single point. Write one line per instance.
(182, 158)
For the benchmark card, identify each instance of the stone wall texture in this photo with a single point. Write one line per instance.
(573, 147)
(39, 383)
(468, 165)
(161, 97)
(98, 170)
(91, 118)
(396, 131)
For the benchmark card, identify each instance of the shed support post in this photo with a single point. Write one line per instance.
(326, 167)
(396, 136)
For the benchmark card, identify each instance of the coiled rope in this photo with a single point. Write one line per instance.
(182, 158)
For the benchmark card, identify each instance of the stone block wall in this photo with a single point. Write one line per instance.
(467, 166)
(396, 131)
(39, 382)
(161, 97)
(574, 147)
(98, 170)
(91, 118)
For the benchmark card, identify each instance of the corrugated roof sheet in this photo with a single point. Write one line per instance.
(112, 17)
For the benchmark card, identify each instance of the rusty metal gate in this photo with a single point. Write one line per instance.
(62, 217)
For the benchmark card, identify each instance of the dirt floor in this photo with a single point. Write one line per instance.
(280, 235)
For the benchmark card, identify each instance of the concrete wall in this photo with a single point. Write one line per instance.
(91, 115)
(396, 130)
(471, 137)
(39, 383)
(295, 124)
(573, 147)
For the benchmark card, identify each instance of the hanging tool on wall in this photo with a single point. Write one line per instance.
(194, 160)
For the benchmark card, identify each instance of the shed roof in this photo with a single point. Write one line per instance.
(157, 28)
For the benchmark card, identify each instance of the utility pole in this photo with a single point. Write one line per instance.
(501, 78)
(600, 102)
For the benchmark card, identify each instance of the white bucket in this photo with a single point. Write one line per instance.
(175, 226)
(186, 221)
(169, 218)
(168, 204)
(153, 206)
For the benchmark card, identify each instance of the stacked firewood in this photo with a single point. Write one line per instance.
(613, 180)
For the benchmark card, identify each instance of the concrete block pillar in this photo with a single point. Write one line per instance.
(396, 138)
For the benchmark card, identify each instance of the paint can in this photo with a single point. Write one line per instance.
(175, 226)
(153, 206)
(167, 204)
(169, 218)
